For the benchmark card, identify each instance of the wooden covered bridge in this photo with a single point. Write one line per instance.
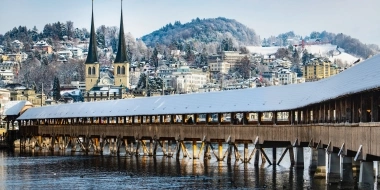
(338, 116)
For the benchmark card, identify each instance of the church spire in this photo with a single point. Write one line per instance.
(121, 56)
(92, 56)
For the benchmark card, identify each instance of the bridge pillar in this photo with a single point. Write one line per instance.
(320, 172)
(274, 156)
(220, 151)
(313, 159)
(246, 154)
(257, 156)
(366, 176)
(299, 161)
(355, 168)
(333, 168)
(195, 155)
(346, 176)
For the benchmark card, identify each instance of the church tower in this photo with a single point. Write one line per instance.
(121, 64)
(92, 63)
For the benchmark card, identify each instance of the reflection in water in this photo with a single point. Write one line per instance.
(66, 170)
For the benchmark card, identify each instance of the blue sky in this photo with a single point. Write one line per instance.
(357, 18)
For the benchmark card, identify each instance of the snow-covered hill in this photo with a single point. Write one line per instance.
(321, 49)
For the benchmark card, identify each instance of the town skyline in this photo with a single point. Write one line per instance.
(267, 19)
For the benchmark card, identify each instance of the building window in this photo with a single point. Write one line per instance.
(118, 70)
(123, 70)
(89, 71)
(93, 70)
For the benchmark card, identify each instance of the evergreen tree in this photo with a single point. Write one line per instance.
(56, 89)
(154, 58)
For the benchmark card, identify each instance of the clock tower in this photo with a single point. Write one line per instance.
(121, 64)
(92, 63)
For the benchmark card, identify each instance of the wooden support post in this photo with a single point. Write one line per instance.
(274, 119)
(245, 153)
(257, 156)
(208, 118)
(230, 149)
(375, 106)
(178, 150)
(195, 156)
(292, 117)
(170, 153)
(155, 147)
(291, 155)
(206, 154)
(220, 151)
(220, 118)
(196, 118)
(259, 118)
(274, 155)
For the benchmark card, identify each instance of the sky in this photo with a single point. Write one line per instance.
(358, 18)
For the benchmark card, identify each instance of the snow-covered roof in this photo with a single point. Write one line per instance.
(359, 78)
(15, 107)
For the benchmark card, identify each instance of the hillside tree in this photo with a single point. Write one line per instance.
(56, 89)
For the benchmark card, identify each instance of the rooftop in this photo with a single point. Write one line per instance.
(361, 77)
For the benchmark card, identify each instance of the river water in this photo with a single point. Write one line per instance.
(33, 169)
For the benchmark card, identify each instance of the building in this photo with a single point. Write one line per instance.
(101, 81)
(66, 54)
(319, 68)
(10, 65)
(17, 57)
(233, 57)
(121, 64)
(185, 81)
(220, 66)
(271, 77)
(4, 99)
(43, 47)
(7, 76)
(27, 94)
(17, 45)
(79, 85)
(286, 76)
(76, 52)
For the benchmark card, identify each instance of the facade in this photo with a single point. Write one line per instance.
(222, 67)
(7, 76)
(4, 99)
(27, 94)
(17, 45)
(233, 57)
(10, 65)
(79, 85)
(77, 52)
(43, 46)
(186, 82)
(319, 68)
(17, 57)
(286, 76)
(66, 54)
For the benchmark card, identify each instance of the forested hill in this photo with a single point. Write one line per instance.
(203, 30)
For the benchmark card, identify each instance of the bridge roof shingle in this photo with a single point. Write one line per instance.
(361, 77)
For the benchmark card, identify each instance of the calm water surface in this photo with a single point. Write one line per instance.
(65, 170)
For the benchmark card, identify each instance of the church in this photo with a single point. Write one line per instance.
(100, 84)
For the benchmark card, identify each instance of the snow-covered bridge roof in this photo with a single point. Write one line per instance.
(364, 76)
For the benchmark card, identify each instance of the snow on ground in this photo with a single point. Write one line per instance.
(263, 50)
(321, 49)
